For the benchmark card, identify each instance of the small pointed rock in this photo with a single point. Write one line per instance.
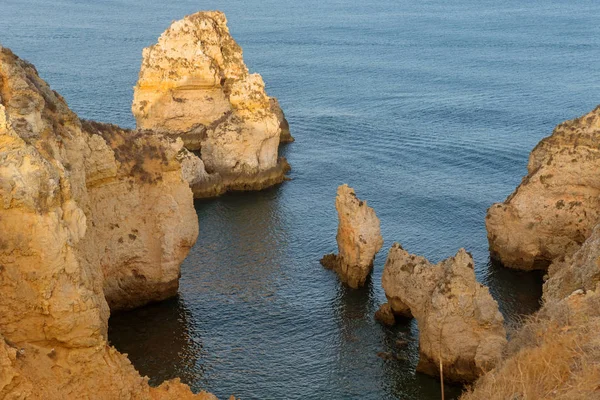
(358, 238)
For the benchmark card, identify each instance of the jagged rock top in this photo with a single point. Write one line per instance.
(195, 75)
(458, 318)
(197, 50)
(581, 132)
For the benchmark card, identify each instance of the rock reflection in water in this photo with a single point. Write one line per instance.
(388, 353)
(240, 254)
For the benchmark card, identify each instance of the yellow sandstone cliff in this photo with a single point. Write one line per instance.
(86, 211)
(552, 219)
(557, 205)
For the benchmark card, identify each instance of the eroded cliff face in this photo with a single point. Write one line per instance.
(554, 355)
(557, 205)
(552, 219)
(194, 84)
(142, 213)
(458, 319)
(61, 184)
(358, 238)
(580, 271)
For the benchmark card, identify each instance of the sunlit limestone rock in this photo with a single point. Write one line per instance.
(557, 204)
(358, 238)
(69, 191)
(142, 215)
(286, 136)
(580, 271)
(458, 319)
(193, 84)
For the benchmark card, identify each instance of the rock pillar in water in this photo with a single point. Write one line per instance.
(358, 238)
(458, 319)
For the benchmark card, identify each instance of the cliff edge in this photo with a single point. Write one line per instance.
(557, 204)
(73, 195)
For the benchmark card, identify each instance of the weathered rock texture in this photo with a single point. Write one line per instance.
(286, 136)
(358, 238)
(557, 204)
(194, 84)
(552, 218)
(553, 356)
(63, 184)
(458, 319)
(142, 213)
(578, 271)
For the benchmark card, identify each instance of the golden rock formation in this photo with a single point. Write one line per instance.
(358, 238)
(63, 184)
(458, 319)
(557, 204)
(193, 84)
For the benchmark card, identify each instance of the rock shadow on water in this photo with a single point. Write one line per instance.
(389, 353)
(400, 379)
(160, 341)
(517, 292)
(355, 343)
(244, 250)
(354, 304)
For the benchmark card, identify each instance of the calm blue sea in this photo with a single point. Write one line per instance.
(427, 108)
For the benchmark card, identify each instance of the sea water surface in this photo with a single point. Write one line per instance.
(427, 108)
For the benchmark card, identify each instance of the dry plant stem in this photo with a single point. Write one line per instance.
(441, 377)
(441, 363)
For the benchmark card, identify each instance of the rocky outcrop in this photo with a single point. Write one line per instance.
(358, 238)
(385, 315)
(193, 84)
(552, 219)
(557, 204)
(458, 319)
(580, 271)
(31, 371)
(63, 184)
(141, 212)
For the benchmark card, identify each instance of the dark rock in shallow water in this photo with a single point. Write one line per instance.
(385, 315)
